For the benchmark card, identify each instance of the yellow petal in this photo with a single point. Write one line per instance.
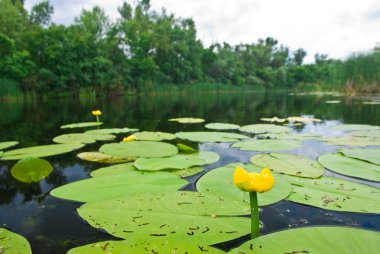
(96, 112)
(253, 182)
(129, 138)
(242, 179)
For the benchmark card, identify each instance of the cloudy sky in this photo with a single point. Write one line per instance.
(333, 27)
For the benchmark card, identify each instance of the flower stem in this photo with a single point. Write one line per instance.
(255, 224)
(97, 119)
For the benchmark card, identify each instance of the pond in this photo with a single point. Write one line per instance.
(52, 225)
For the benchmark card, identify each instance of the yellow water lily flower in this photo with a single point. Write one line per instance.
(130, 138)
(253, 182)
(96, 112)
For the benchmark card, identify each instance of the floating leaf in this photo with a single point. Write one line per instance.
(205, 136)
(4, 145)
(222, 126)
(219, 181)
(31, 170)
(302, 119)
(350, 166)
(354, 127)
(154, 136)
(187, 120)
(111, 131)
(332, 102)
(289, 164)
(186, 149)
(264, 128)
(11, 243)
(267, 145)
(371, 155)
(186, 172)
(113, 170)
(334, 194)
(337, 240)
(371, 102)
(40, 151)
(352, 141)
(104, 158)
(82, 138)
(116, 185)
(145, 149)
(184, 216)
(291, 136)
(274, 119)
(373, 134)
(81, 125)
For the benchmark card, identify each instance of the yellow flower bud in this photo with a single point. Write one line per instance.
(253, 182)
(130, 138)
(96, 112)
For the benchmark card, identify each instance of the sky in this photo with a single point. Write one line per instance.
(334, 27)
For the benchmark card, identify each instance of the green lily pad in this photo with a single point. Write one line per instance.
(332, 102)
(185, 216)
(352, 141)
(291, 136)
(371, 102)
(11, 243)
(113, 170)
(302, 119)
(31, 170)
(222, 126)
(337, 240)
(40, 151)
(220, 182)
(334, 194)
(371, 155)
(374, 134)
(289, 164)
(104, 158)
(111, 131)
(273, 119)
(116, 185)
(80, 125)
(267, 145)
(355, 127)
(205, 136)
(5, 145)
(187, 120)
(186, 149)
(154, 136)
(82, 138)
(264, 128)
(186, 172)
(146, 149)
(128, 246)
(350, 166)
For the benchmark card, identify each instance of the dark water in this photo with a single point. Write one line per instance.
(52, 225)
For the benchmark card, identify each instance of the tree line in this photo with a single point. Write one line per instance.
(145, 49)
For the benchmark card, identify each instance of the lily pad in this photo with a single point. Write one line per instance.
(111, 186)
(5, 145)
(146, 149)
(206, 136)
(80, 125)
(352, 141)
(186, 172)
(337, 240)
(302, 119)
(40, 151)
(154, 136)
(354, 127)
(111, 131)
(291, 136)
(375, 134)
(264, 128)
(187, 120)
(334, 194)
(273, 119)
(371, 102)
(104, 158)
(332, 102)
(222, 126)
(350, 166)
(11, 243)
(185, 216)
(82, 138)
(371, 155)
(186, 149)
(289, 164)
(219, 181)
(267, 145)
(31, 170)
(113, 170)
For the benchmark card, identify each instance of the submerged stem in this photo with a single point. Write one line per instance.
(255, 223)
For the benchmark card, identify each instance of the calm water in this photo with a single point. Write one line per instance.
(52, 225)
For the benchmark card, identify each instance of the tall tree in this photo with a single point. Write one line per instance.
(41, 13)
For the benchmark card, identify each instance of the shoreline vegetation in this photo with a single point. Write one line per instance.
(145, 51)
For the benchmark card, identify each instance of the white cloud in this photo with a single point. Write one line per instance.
(336, 27)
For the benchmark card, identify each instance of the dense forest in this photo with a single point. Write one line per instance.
(144, 50)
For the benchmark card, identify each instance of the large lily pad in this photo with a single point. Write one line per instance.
(350, 166)
(264, 128)
(154, 136)
(11, 243)
(116, 185)
(355, 127)
(104, 158)
(81, 125)
(371, 155)
(219, 181)
(205, 136)
(337, 240)
(303, 119)
(184, 216)
(222, 126)
(334, 194)
(187, 120)
(289, 164)
(40, 151)
(146, 149)
(113, 170)
(82, 138)
(291, 136)
(352, 141)
(374, 134)
(111, 131)
(5, 145)
(31, 170)
(267, 145)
